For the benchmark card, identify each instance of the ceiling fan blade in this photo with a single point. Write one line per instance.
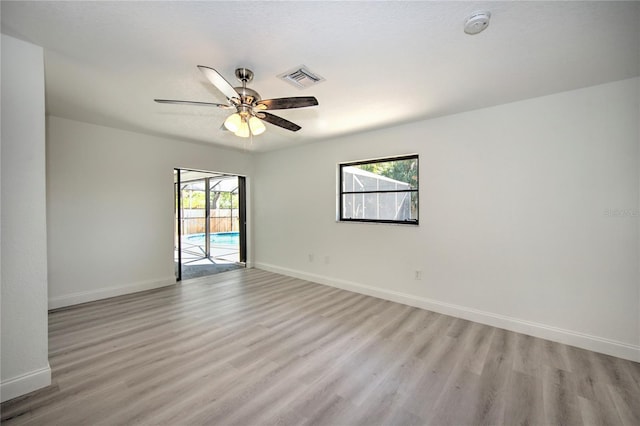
(171, 101)
(221, 84)
(278, 121)
(286, 103)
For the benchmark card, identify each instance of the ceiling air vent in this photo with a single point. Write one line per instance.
(301, 77)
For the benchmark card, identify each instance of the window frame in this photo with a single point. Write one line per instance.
(342, 193)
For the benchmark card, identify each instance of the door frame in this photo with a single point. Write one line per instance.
(242, 213)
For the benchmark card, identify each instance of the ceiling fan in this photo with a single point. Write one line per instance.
(250, 107)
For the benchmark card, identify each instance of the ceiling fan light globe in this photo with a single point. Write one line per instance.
(243, 131)
(233, 122)
(256, 125)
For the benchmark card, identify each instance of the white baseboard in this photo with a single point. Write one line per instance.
(556, 334)
(103, 293)
(25, 383)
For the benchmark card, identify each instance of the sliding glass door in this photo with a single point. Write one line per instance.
(210, 223)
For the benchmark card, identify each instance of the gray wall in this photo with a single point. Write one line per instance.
(25, 365)
(110, 207)
(520, 217)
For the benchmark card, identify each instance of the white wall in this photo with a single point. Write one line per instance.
(110, 207)
(24, 365)
(513, 231)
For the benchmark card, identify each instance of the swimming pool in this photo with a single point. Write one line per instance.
(218, 238)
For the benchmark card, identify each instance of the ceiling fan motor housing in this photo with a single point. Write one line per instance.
(248, 96)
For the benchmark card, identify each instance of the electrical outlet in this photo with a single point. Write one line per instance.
(326, 260)
(417, 274)
(310, 257)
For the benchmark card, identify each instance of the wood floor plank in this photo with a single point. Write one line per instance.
(561, 403)
(249, 347)
(524, 403)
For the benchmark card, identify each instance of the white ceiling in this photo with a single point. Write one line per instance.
(384, 62)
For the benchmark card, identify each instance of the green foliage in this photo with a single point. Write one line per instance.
(228, 200)
(193, 199)
(402, 170)
(220, 200)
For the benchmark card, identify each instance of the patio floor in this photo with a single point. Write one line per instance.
(195, 263)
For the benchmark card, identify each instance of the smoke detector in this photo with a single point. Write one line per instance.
(477, 22)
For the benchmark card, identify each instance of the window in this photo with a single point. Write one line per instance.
(383, 190)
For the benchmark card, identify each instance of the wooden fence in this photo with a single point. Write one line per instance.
(223, 220)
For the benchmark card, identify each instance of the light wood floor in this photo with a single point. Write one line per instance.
(250, 347)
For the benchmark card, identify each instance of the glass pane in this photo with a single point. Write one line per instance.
(414, 206)
(381, 176)
(383, 190)
(224, 211)
(193, 220)
(397, 206)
